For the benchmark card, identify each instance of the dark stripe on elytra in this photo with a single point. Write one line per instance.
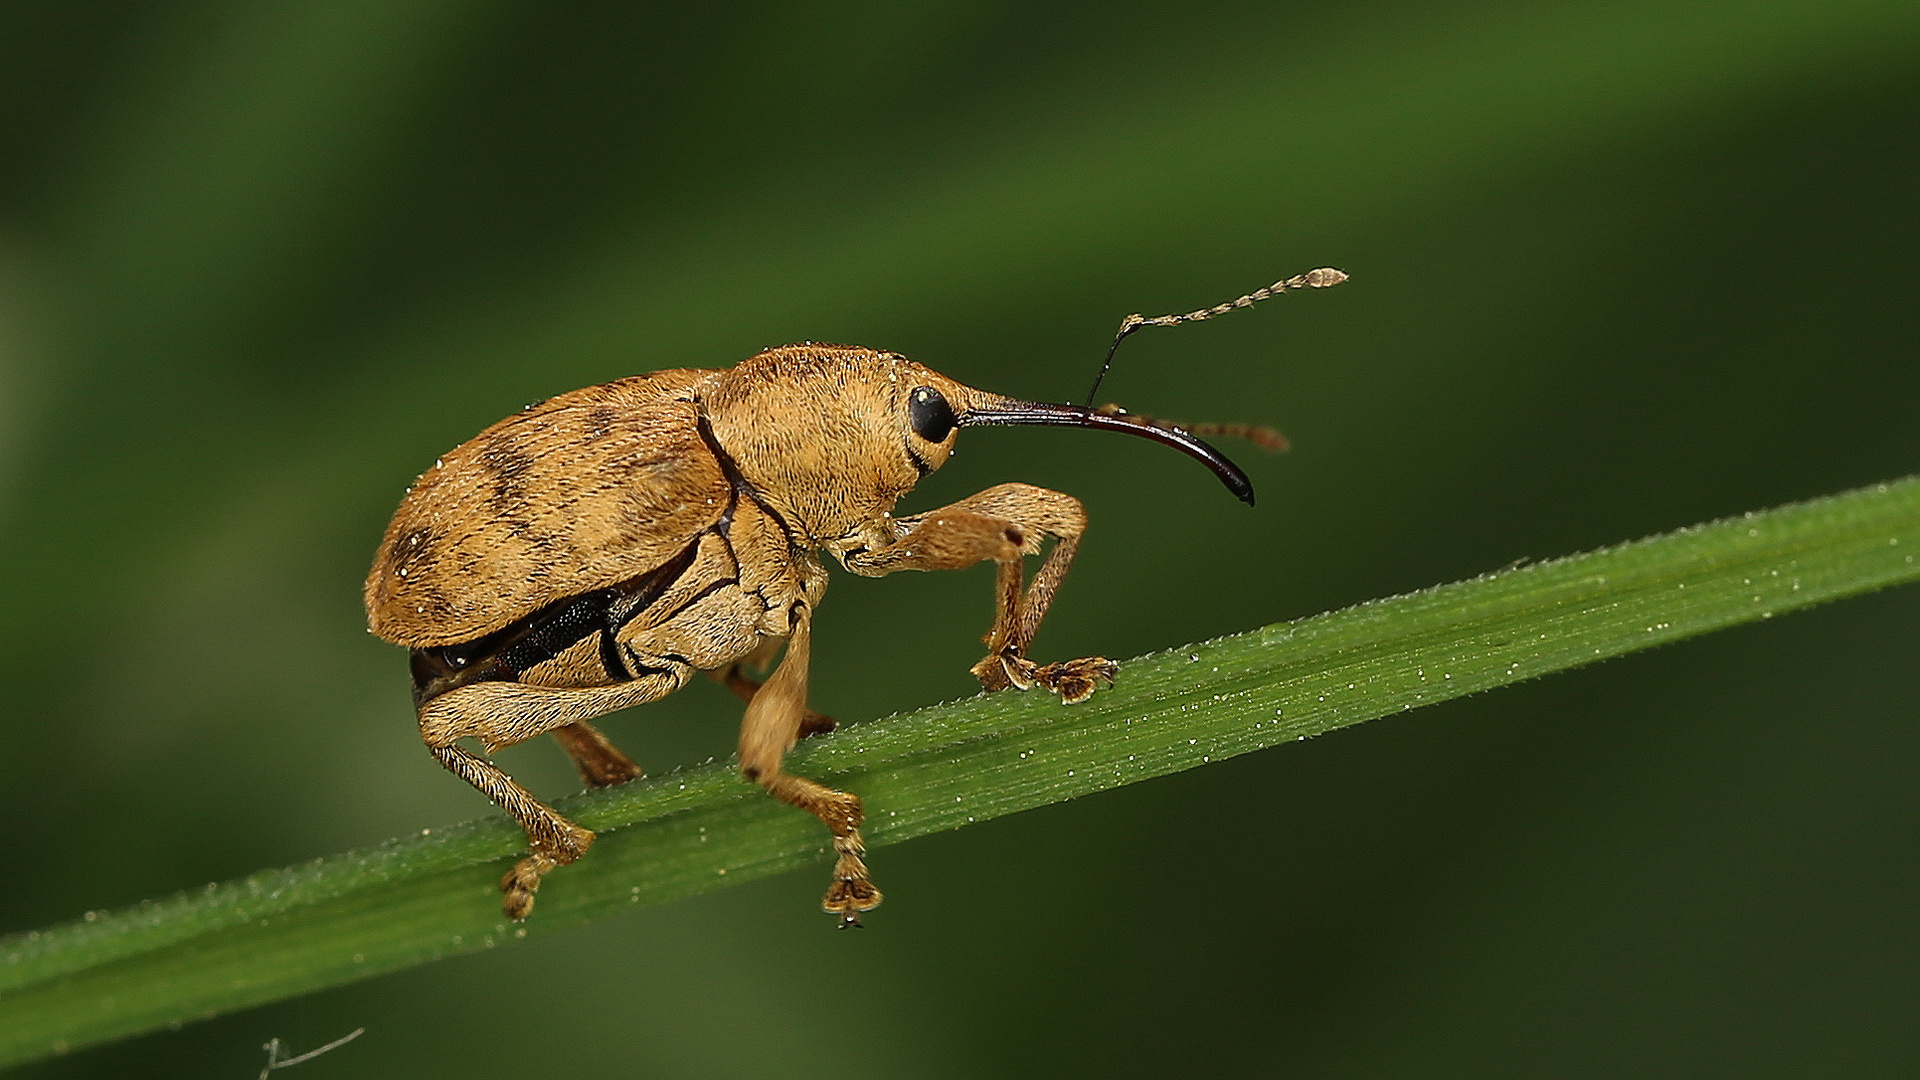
(509, 465)
(600, 421)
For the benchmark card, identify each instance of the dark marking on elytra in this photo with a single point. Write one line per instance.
(414, 549)
(414, 543)
(509, 466)
(600, 422)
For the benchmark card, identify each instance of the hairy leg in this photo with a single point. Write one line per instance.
(500, 714)
(1004, 524)
(601, 763)
(735, 678)
(772, 725)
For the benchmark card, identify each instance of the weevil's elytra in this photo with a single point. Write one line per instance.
(596, 549)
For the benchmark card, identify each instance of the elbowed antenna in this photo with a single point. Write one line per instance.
(1009, 412)
(1324, 278)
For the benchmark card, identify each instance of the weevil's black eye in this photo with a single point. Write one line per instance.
(932, 418)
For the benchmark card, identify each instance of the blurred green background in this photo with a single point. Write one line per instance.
(1617, 267)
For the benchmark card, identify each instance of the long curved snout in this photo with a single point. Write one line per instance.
(1011, 411)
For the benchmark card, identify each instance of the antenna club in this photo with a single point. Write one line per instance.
(1324, 278)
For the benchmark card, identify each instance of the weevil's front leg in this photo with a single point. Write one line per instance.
(771, 727)
(500, 714)
(1002, 523)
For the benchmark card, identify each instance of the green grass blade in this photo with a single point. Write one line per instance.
(284, 932)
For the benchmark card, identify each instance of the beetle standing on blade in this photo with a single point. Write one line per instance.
(595, 550)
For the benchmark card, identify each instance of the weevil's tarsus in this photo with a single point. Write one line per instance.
(554, 841)
(1323, 278)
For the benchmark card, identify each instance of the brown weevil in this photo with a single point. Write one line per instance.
(596, 549)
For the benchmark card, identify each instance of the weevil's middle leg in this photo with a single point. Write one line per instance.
(735, 678)
(601, 763)
(772, 725)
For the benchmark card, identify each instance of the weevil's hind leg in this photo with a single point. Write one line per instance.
(601, 763)
(500, 714)
(554, 840)
(771, 727)
(1004, 524)
(735, 678)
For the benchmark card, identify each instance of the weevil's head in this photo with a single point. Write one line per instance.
(837, 434)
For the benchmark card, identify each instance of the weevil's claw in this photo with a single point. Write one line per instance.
(815, 724)
(1073, 680)
(848, 899)
(852, 892)
(523, 881)
(1076, 680)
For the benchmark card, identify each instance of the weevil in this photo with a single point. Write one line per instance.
(595, 550)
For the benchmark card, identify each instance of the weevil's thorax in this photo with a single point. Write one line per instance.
(822, 431)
